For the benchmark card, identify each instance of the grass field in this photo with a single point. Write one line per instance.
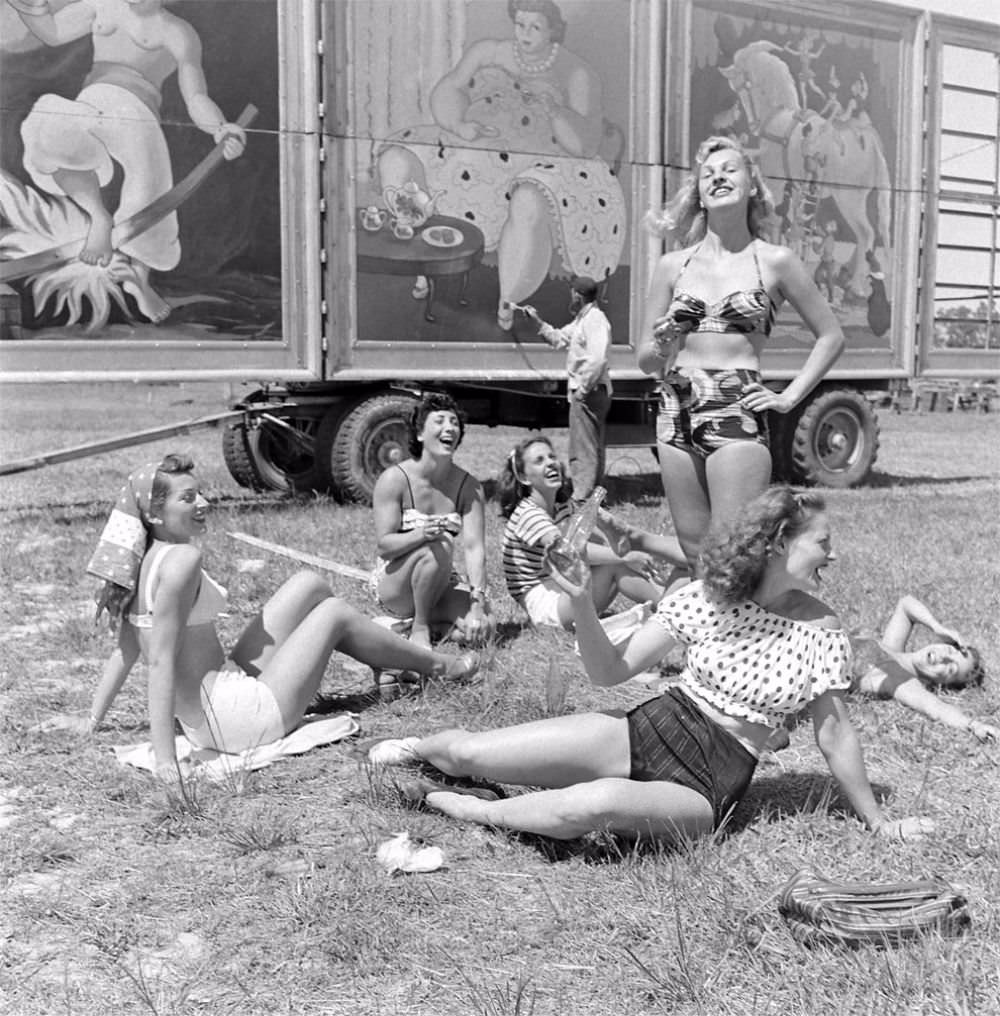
(264, 896)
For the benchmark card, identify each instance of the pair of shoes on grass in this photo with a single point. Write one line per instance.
(392, 684)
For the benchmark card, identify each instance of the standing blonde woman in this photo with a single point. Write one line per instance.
(709, 312)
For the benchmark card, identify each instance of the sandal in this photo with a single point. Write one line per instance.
(416, 790)
(391, 684)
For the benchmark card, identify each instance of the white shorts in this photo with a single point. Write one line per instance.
(542, 604)
(240, 713)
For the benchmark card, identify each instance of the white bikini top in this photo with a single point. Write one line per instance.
(211, 601)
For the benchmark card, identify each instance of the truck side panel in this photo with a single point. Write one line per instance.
(536, 166)
(202, 254)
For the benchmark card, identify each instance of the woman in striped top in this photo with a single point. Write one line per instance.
(535, 503)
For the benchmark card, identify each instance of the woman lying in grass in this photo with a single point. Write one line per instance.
(761, 647)
(885, 668)
(167, 605)
(534, 500)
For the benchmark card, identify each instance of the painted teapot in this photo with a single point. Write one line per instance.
(409, 203)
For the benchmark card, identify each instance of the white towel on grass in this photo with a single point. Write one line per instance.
(217, 765)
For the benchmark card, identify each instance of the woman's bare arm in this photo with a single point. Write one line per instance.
(661, 291)
(177, 588)
(387, 504)
(837, 739)
(608, 664)
(798, 288)
(910, 611)
(116, 670)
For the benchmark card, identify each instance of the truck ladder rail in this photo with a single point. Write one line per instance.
(144, 437)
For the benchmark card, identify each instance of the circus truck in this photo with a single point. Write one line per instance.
(336, 204)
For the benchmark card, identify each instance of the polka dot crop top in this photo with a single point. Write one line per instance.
(750, 663)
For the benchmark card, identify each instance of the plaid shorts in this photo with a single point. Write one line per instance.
(671, 739)
(701, 411)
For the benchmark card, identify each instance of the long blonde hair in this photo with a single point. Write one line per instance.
(683, 216)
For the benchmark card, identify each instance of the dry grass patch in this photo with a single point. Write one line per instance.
(262, 896)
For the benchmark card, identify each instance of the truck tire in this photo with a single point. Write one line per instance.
(237, 456)
(780, 429)
(835, 441)
(356, 446)
(265, 456)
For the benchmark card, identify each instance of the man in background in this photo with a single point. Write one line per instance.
(586, 340)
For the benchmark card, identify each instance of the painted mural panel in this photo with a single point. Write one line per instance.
(490, 160)
(139, 171)
(819, 105)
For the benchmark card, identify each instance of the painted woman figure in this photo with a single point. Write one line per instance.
(71, 146)
(518, 123)
(709, 312)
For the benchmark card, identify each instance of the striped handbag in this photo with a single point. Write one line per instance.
(819, 911)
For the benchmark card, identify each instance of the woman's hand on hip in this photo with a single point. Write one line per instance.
(759, 399)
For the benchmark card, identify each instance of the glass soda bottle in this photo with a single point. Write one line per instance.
(566, 554)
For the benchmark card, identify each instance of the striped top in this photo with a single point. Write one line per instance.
(523, 552)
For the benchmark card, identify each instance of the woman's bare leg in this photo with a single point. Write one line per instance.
(736, 474)
(415, 585)
(621, 806)
(280, 616)
(557, 752)
(611, 579)
(83, 186)
(288, 645)
(429, 581)
(686, 490)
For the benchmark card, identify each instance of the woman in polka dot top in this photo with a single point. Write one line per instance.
(760, 646)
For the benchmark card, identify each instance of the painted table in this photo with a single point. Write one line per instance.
(382, 253)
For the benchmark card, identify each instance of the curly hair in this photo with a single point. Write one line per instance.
(511, 488)
(172, 464)
(550, 10)
(733, 557)
(432, 402)
(684, 217)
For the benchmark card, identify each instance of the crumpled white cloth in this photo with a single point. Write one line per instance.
(402, 854)
(217, 765)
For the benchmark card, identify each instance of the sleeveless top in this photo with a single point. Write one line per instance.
(212, 599)
(743, 311)
(413, 518)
